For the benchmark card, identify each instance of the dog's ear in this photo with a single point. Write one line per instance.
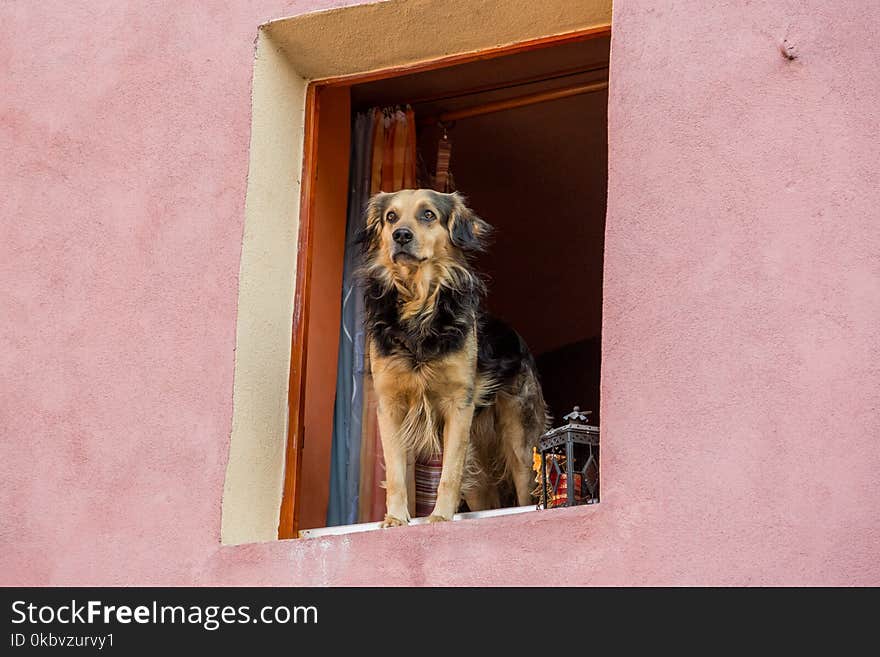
(466, 230)
(368, 236)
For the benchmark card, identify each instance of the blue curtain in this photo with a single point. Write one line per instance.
(348, 410)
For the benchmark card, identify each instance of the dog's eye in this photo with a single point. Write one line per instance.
(429, 216)
(391, 217)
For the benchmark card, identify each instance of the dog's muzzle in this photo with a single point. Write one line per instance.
(404, 246)
(402, 253)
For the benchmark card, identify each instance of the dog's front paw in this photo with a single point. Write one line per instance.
(436, 518)
(391, 521)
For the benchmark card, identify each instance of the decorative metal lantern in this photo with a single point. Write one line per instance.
(570, 463)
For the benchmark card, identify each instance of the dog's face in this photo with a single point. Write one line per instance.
(409, 228)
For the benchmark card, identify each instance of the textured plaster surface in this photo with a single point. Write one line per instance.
(383, 34)
(742, 291)
(255, 471)
(740, 311)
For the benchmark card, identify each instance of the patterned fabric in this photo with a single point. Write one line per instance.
(427, 480)
(378, 121)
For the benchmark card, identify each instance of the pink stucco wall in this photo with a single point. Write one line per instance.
(740, 373)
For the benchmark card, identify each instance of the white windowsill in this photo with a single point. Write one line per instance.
(370, 526)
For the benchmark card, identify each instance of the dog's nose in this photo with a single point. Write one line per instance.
(402, 235)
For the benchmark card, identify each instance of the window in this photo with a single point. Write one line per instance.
(528, 132)
(297, 66)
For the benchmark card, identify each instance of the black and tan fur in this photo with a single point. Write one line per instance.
(446, 374)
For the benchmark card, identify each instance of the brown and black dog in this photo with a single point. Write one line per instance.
(446, 373)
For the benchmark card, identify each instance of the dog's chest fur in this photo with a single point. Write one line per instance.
(430, 358)
(448, 379)
(426, 338)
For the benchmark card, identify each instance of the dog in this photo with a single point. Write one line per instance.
(446, 374)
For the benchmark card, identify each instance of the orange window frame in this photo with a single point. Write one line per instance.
(320, 163)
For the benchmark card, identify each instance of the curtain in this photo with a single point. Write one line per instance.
(383, 159)
(345, 452)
